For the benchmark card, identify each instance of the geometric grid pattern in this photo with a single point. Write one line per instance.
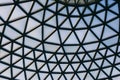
(52, 40)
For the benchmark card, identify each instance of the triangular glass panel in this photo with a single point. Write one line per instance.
(72, 39)
(27, 6)
(5, 11)
(36, 33)
(17, 13)
(64, 34)
(54, 38)
(31, 24)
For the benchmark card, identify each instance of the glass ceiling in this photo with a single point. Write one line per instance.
(52, 40)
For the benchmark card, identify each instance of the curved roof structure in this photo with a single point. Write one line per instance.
(60, 39)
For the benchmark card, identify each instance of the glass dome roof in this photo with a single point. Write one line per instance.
(52, 40)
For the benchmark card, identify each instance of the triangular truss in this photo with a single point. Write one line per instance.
(52, 40)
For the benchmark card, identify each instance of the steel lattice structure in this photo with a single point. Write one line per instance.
(55, 40)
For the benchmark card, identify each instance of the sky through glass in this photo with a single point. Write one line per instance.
(52, 40)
